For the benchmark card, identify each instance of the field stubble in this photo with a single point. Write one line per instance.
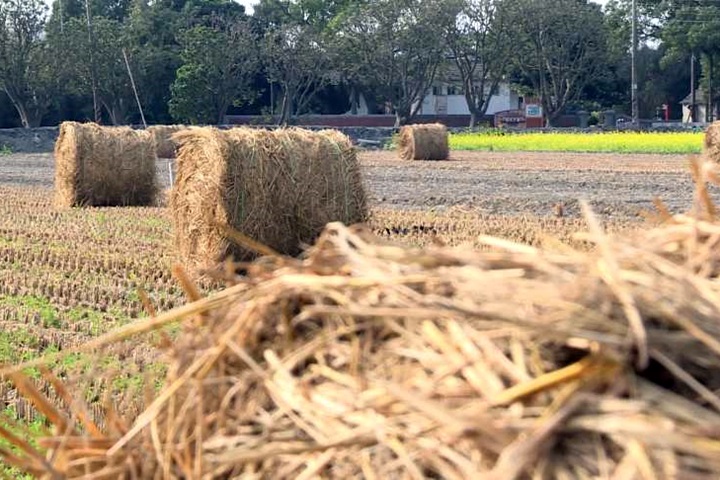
(67, 277)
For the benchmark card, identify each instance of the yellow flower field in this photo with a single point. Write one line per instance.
(615, 142)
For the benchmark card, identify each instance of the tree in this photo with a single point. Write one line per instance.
(152, 31)
(318, 14)
(298, 50)
(694, 28)
(26, 61)
(395, 47)
(96, 57)
(218, 66)
(296, 58)
(479, 39)
(559, 58)
(64, 10)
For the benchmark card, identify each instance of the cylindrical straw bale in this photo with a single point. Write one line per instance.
(278, 188)
(711, 148)
(104, 166)
(424, 142)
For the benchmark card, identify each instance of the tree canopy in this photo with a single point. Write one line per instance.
(195, 61)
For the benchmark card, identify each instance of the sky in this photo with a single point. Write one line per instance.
(248, 4)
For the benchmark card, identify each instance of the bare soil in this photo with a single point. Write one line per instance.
(616, 185)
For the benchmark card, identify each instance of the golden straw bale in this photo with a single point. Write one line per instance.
(424, 142)
(277, 187)
(711, 148)
(165, 146)
(104, 166)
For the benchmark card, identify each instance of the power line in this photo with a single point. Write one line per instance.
(633, 81)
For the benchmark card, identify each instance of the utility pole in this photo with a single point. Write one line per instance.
(693, 94)
(633, 56)
(132, 82)
(96, 107)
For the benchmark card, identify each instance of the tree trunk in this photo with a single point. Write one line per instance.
(401, 118)
(711, 103)
(285, 108)
(353, 101)
(113, 116)
(115, 112)
(27, 119)
(23, 116)
(470, 97)
(221, 112)
(34, 118)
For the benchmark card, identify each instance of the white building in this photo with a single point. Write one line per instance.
(700, 108)
(446, 99)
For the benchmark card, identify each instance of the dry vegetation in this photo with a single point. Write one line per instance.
(583, 355)
(278, 187)
(371, 360)
(67, 277)
(100, 166)
(423, 142)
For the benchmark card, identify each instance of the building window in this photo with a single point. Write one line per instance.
(453, 90)
(437, 91)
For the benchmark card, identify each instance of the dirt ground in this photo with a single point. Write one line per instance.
(488, 182)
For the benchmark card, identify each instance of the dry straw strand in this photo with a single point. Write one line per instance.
(424, 142)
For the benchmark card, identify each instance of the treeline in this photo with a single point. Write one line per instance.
(194, 61)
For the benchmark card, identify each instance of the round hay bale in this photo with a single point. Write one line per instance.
(165, 146)
(104, 166)
(424, 142)
(279, 188)
(711, 148)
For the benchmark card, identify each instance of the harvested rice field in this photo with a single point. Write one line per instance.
(67, 277)
(88, 263)
(499, 183)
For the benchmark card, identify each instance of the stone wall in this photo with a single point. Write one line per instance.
(28, 140)
(40, 140)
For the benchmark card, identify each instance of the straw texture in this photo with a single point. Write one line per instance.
(424, 142)
(370, 360)
(104, 166)
(711, 147)
(278, 188)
